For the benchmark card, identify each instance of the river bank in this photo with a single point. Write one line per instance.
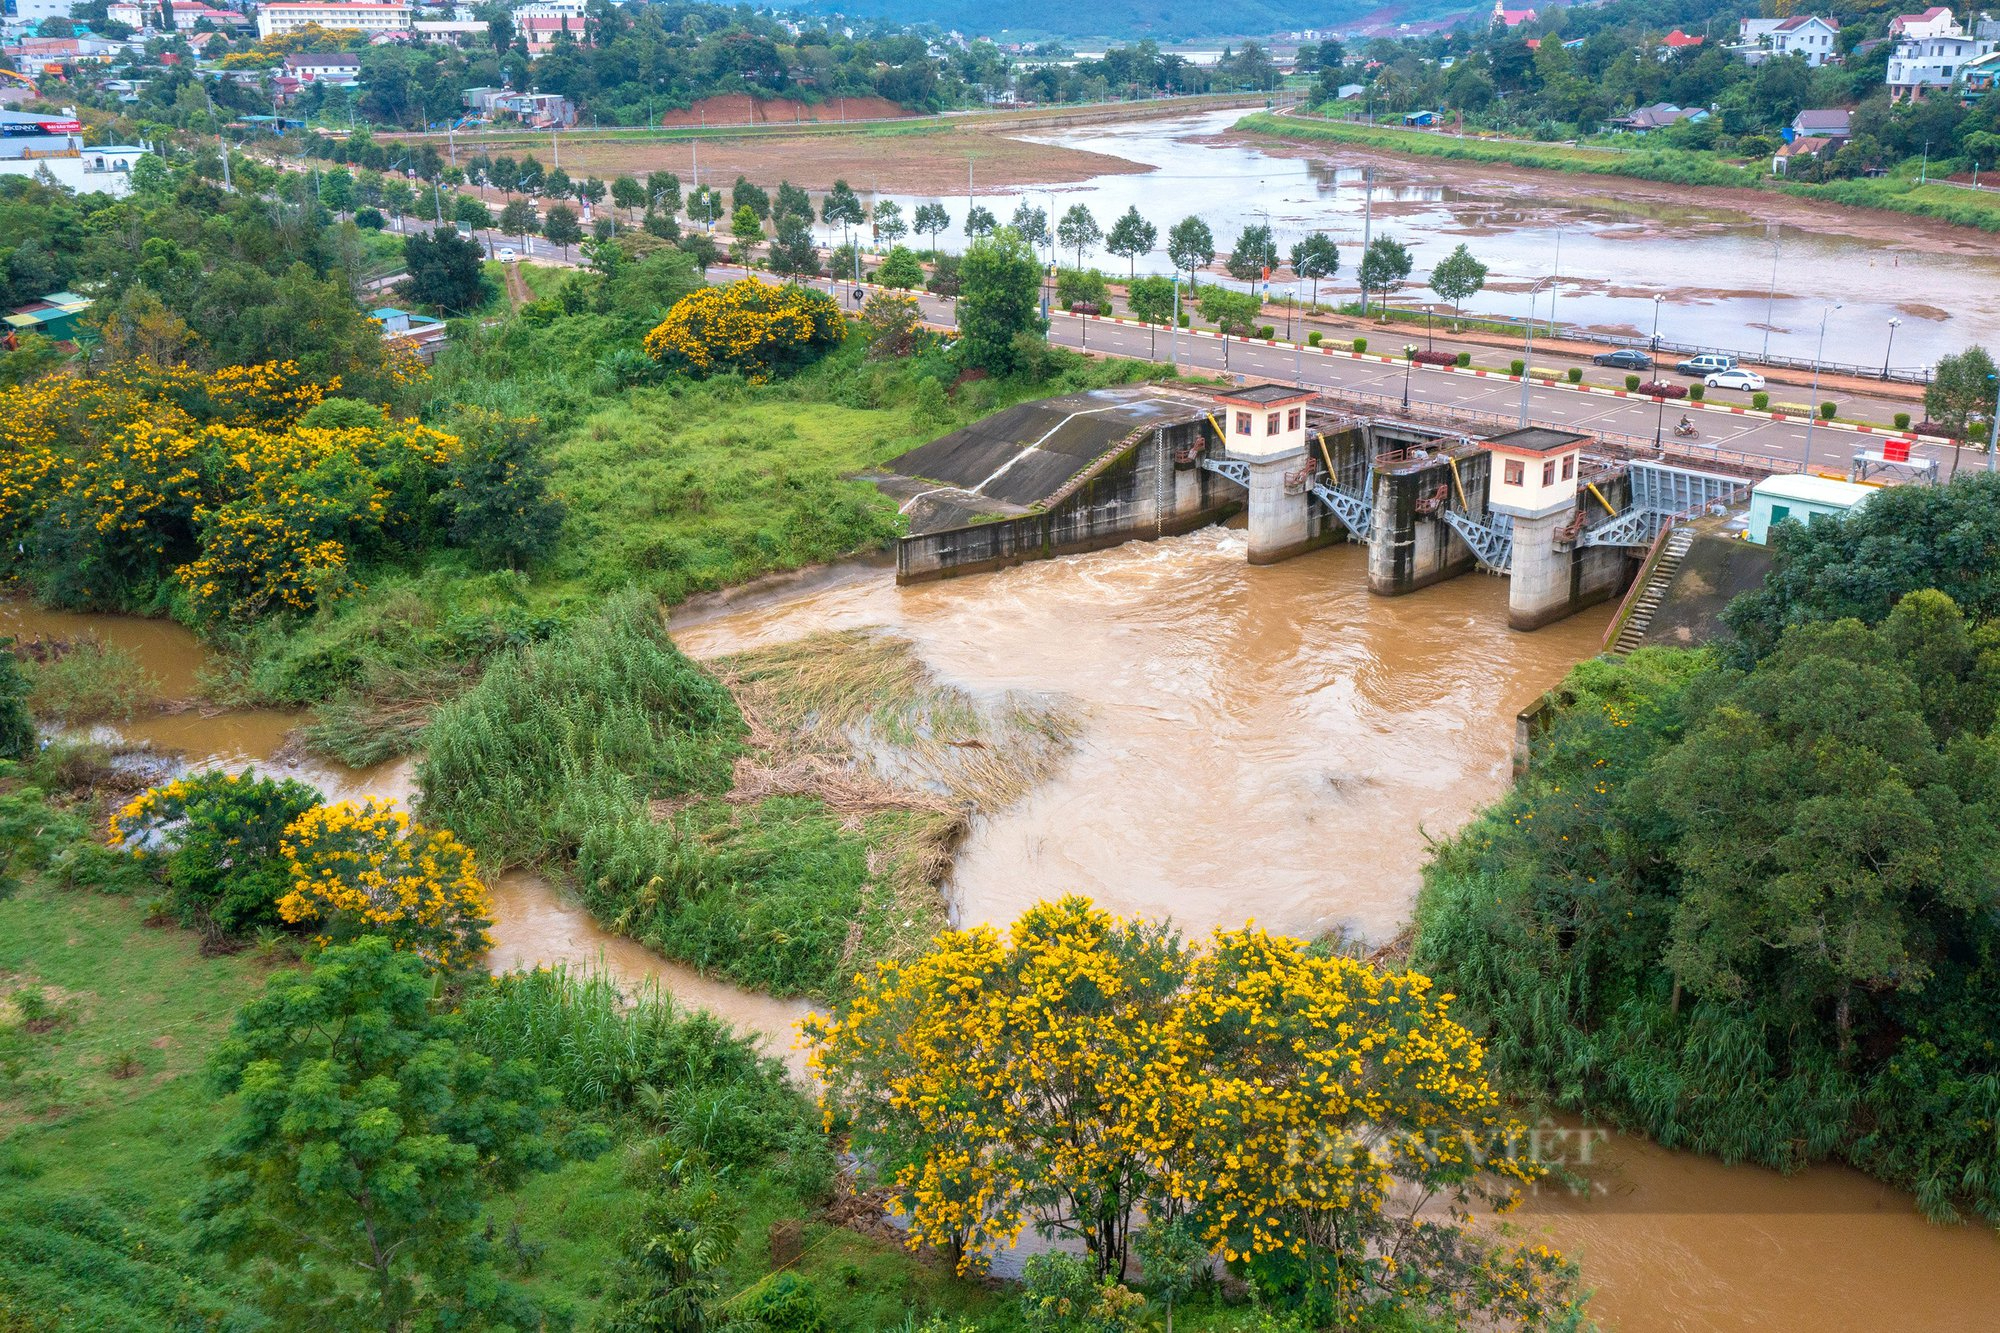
(1272, 742)
(1954, 217)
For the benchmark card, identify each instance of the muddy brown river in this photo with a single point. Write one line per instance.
(1270, 744)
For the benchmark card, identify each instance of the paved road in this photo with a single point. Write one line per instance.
(1831, 450)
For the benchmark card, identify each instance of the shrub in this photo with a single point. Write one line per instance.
(1185, 321)
(1433, 358)
(1082, 286)
(1902, 421)
(1462, 360)
(1631, 383)
(17, 727)
(215, 841)
(1760, 402)
(366, 868)
(750, 327)
(1312, 339)
(943, 280)
(1268, 331)
(1576, 374)
(1826, 411)
(1517, 367)
(902, 269)
(1360, 344)
(1697, 391)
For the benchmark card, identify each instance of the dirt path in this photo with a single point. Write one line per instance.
(517, 288)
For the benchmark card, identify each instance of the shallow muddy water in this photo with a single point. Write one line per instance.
(1713, 264)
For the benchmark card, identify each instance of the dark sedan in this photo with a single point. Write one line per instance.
(1623, 359)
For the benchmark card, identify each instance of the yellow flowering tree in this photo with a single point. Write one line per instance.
(1279, 1101)
(241, 488)
(756, 329)
(369, 869)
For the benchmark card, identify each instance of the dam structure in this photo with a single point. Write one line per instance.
(1566, 516)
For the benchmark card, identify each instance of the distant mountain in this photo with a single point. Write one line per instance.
(1127, 20)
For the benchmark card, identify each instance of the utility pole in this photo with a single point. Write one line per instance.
(1812, 408)
(1771, 299)
(1555, 290)
(1367, 226)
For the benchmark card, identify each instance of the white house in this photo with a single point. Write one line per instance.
(28, 11)
(1922, 64)
(331, 67)
(275, 19)
(1933, 22)
(1808, 35)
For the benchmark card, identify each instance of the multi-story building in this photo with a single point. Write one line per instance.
(184, 16)
(275, 19)
(1922, 65)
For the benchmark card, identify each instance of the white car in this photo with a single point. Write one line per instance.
(507, 255)
(1747, 380)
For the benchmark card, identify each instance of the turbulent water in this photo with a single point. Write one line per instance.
(1268, 743)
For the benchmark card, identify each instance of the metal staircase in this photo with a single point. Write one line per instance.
(1639, 619)
(1492, 540)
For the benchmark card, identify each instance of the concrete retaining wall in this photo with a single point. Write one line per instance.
(1136, 496)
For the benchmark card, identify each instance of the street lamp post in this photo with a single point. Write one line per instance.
(1528, 353)
(1812, 407)
(1894, 324)
(1409, 352)
(1659, 417)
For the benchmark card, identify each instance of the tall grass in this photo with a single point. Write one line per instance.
(578, 732)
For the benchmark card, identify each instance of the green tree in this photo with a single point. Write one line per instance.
(444, 270)
(890, 226)
(470, 212)
(1151, 299)
(747, 230)
(1458, 276)
(979, 221)
(1231, 311)
(1315, 258)
(336, 190)
(1191, 245)
(663, 191)
(560, 227)
(557, 184)
(792, 202)
(1960, 394)
(17, 729)
(1078, 231)
(1174, 1260)
(997, 279)
(1818, 831)
(501, 507)
(671, 1272)
(901, 269)
(362, 1142)
(931, 220)
(517, 218)
(628, 194)
(1255, 253)
(744, 195)
(793, 251)
(841, 208)
(1383, 268)
(1131, 236)
(1032, 226)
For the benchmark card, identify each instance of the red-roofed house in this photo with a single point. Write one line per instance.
(1678, 40)
(1933, 22)
(1511, 18)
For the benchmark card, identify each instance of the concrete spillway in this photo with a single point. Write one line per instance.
(1091, 470)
